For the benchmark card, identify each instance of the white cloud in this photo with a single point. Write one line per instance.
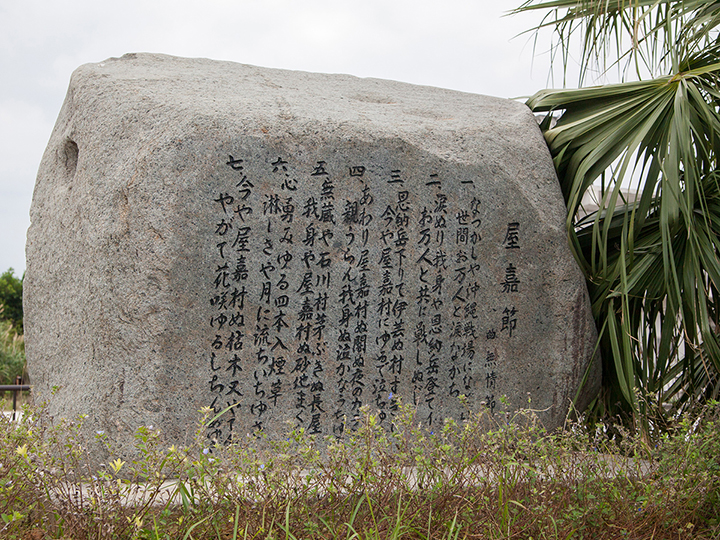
(24, 131)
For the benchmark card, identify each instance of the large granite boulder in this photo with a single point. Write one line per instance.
(208, 233)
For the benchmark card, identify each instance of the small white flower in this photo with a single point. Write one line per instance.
(206, 451)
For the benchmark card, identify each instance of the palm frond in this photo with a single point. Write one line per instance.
(651, 259)
(639, 37)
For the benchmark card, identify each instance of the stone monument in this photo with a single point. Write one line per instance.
(208, 233)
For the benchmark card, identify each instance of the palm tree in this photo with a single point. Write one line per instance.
(651, 259)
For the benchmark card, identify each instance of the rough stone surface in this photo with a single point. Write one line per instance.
(207, 233)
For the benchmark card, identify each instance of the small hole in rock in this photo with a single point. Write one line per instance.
(70, 155)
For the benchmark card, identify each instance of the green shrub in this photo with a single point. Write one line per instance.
(12, 353)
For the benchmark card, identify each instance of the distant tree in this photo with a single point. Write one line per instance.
(11, 308)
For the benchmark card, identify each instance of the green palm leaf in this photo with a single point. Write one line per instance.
(652, 261)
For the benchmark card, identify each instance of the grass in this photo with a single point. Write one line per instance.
(490, 477)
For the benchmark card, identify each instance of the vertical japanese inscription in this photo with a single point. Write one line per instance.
(338, 283)
(227, 299)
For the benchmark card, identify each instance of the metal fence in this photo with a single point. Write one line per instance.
(14, 388)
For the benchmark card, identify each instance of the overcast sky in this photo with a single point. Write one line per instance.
(460, 44)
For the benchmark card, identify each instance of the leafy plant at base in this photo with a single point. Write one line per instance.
(485, 477)
(651, 260)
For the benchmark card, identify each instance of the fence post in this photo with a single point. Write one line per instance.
(18, 381)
